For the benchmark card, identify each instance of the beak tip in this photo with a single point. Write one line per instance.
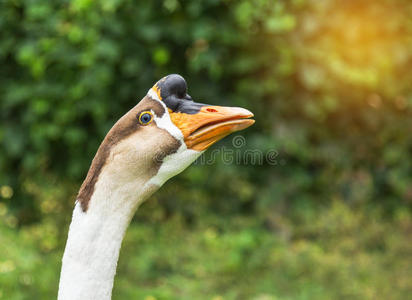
(245, 113)
(247, 123)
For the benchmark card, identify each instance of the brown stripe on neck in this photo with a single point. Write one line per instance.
(124, 127)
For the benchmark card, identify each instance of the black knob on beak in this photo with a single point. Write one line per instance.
(173, 90)
(172, 85)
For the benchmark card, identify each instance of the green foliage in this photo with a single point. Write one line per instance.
(342, 254)
(330, 85)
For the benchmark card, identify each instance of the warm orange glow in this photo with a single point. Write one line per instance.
(356, 45)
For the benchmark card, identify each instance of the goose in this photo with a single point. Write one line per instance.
(157, 139)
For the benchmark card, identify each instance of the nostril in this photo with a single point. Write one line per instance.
(211, 110)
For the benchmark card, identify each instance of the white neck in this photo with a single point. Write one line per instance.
(95, 236)
(94, 240)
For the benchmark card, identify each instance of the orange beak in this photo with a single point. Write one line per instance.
(210, 124)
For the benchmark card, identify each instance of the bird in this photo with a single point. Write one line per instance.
(157, 139)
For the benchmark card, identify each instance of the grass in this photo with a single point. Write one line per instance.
(343, 253)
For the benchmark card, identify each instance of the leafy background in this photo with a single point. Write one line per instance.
(330, 85)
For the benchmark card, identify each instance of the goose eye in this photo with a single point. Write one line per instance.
(145, 118)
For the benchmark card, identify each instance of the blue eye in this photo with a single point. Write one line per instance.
(145, 117)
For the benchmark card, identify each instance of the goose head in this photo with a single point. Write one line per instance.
(158, 138)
